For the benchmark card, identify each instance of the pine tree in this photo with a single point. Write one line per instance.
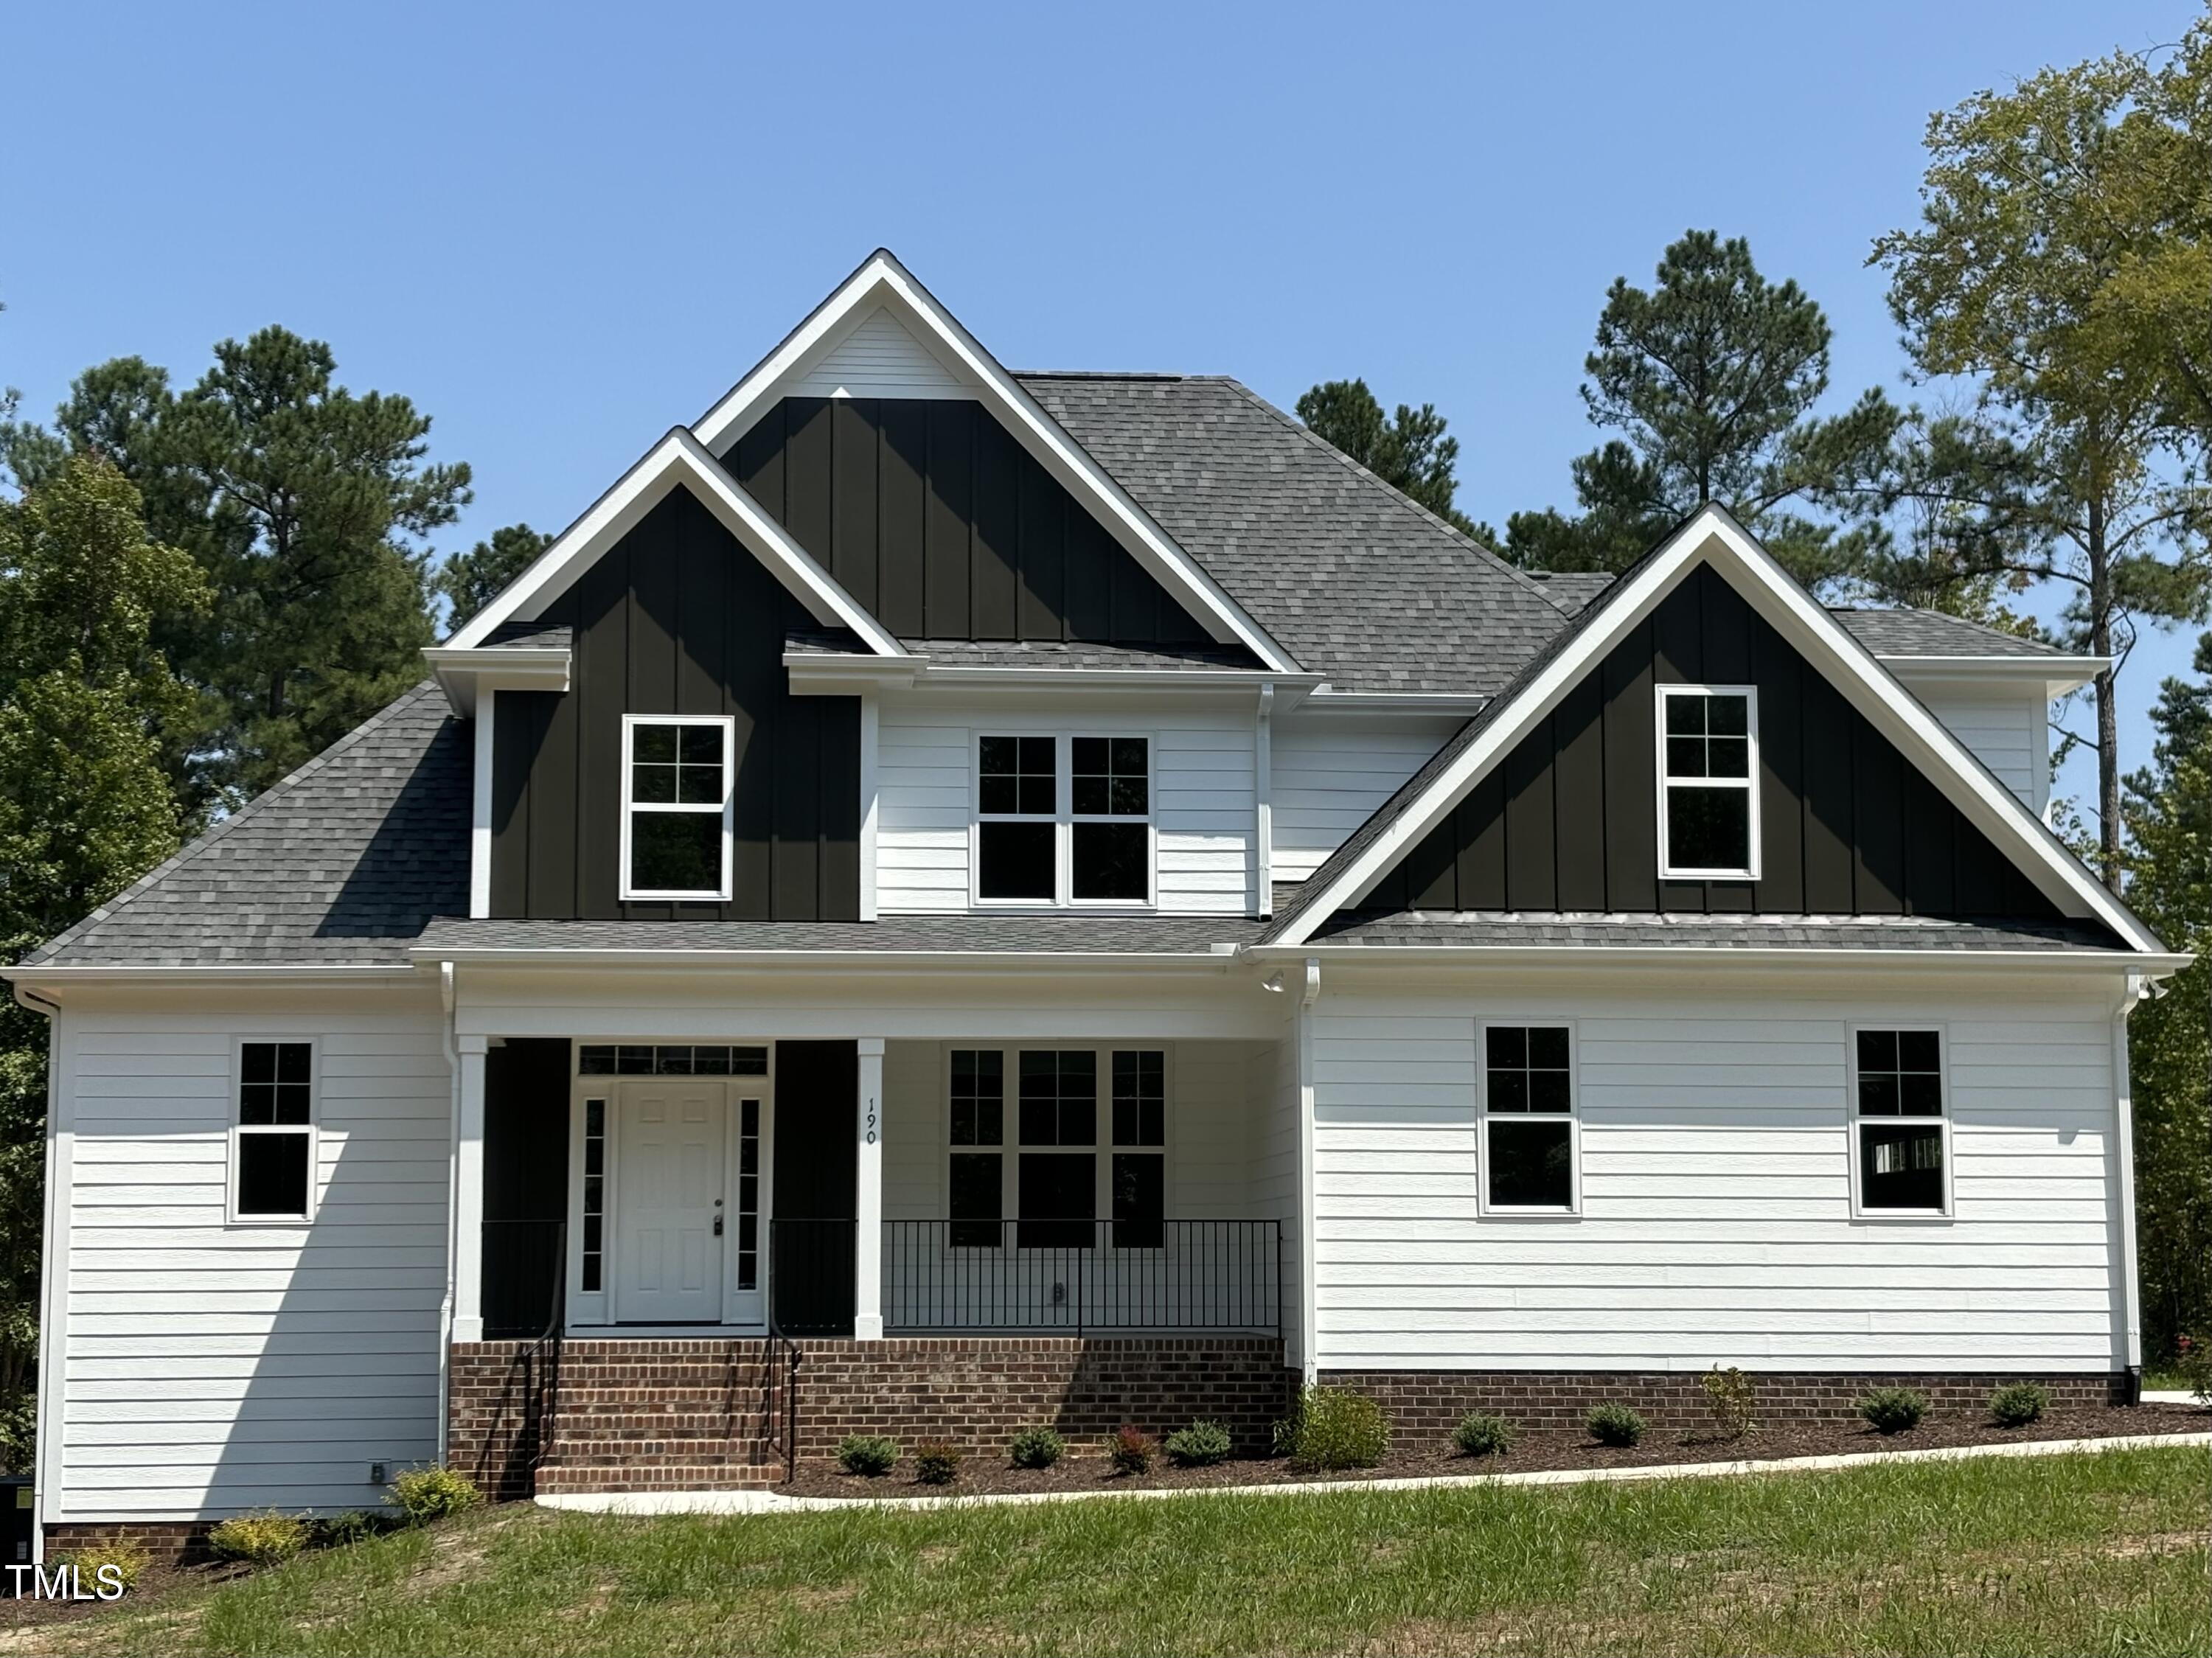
(1410, 450)
(469, 582)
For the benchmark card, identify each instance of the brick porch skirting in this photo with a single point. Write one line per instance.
(1428, 1404)
(611, 1413)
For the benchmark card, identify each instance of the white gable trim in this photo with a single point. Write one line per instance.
(884, 284)
(678, 458)
(1713, 536)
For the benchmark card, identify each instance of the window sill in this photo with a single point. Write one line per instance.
(1548, 1215)
(1902, 1218)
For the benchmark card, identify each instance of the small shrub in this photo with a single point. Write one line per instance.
(1733, 1398)
(937, 1462)
(866, 1454)
(337, 1530)
(1614, 1425)
(1339, 1429)
(1483, 1435)
(1036, 1448)
(1893, 1410)
(1130, 1450)
(126, 1561)
(1283, 1436)
(2193, 1358)
(2019, 1403)
(424, 1495)
(260, 1539)
(1198, 1446)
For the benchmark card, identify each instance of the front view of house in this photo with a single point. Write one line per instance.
(951, 899)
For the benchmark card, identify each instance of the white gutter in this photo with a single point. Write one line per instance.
(981, 960)
(1308, 1296)
(1719, 957)
(217, 971)
(446, 1000)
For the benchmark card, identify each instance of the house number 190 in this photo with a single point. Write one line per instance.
(868, 1121)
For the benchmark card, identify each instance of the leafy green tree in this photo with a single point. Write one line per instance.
(471, 580)
(2033, 225)
(2169, 862)
(1711, 377)
(85, 805)
(1408, 451)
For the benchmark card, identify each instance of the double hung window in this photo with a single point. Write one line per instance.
(1528, 1118)
(1708, 787)
(677, 773)
(1897, 1122)
(273, 1159)
(1063, 820)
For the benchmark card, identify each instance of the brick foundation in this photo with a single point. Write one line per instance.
(166, 1542)
(588, 1414)
(1428, 1404)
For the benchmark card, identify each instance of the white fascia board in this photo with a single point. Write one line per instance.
(1712, 536)
(1465, 704)
(462, 674)
(2057, 675)
(40, 979)
(1725, 958)
(882, 281)
(678, 458)
(817, 673)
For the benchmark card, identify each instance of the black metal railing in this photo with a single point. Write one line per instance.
(525, 1277)
(1075, 1276)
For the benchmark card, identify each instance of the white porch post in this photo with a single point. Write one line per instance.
(868, 1197)
(468, 1192)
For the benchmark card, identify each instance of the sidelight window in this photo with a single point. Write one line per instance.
(676, 774)
(273, 1150)
(1898, 1122)
(1529, 1140)
(1708, 791)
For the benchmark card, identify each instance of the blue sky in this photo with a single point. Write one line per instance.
(562, 229)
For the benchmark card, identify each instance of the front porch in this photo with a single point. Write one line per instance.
(687, 1263)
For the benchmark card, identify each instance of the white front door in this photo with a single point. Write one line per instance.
(669, 1202)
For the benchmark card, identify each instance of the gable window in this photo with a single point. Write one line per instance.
(1528, 1122)
(1057, 1172)
(1017, 790)
(1899, 1122)
(1708, 766)
(273, 1155)
(677, 773)
(978, 1130)
(1063, 821)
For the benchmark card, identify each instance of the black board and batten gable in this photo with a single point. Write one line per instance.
(941, 525)
(1568, 821)
(677, 618)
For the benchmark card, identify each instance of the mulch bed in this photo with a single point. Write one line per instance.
(1085, 1468)
(154, 1582)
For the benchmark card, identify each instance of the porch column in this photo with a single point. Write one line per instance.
(468, 1192)
(868, 1197)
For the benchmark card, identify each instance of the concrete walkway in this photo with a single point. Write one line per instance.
(772, 1501)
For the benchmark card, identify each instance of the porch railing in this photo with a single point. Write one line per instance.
(1074, 1276)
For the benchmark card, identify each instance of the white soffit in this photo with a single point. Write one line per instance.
(883, 288)
(676, 461)
(1712, 537)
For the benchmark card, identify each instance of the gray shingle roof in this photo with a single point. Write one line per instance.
(1353, 578)
(1903, 632)
(1709, 931)
(343, 861)
(1179, 935)
(514, 636)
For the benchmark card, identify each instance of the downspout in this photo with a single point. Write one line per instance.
(1308, 1300)
(2125, 1150)
(53, 1335)
(1263, 804)
(452, 1209)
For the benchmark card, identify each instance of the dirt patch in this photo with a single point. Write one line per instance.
(1541, 1451)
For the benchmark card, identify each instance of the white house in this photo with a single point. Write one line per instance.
(950, 897)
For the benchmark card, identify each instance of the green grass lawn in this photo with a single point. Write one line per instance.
(2095, 1553)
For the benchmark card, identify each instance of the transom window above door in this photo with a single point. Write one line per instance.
(677, 771)
(1708, 791)
(1064, 820)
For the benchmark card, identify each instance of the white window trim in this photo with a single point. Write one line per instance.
(1667, 869)
(1852, 1120)
(233, 1216)
(729, 727)
(1102, 1146)
(1484, 1207)
(1064, 820)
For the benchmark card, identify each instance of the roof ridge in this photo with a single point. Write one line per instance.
(215, 832)
(1438, 521)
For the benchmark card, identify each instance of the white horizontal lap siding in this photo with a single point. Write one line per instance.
(1715, 1224)
(1203, 804)
(878, 358)
(1328, 774)
(212, 1368)
(2007, 731)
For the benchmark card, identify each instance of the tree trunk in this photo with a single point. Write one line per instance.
(2108, 704)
